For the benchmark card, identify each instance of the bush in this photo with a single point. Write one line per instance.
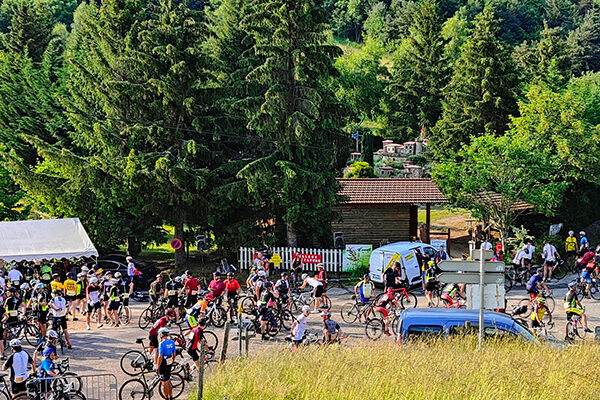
(360, 169)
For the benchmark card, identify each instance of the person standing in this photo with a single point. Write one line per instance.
(441, 254)
(530, 251)
(550, 255)
(18, 362)
(58, 305)
(131, 273)
(584, 244)
(166, 357)
(190, 287)
(571, 246)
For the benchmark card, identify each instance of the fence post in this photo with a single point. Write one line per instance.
(201, 370)
(225, 341)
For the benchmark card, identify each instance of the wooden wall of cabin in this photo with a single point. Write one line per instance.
(374, 224)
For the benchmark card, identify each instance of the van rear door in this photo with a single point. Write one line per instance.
(411, 266)
(376, 266)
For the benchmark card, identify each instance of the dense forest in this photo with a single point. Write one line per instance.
(234, 117)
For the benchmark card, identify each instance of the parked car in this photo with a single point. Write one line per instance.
(116, 262)
(404, 252)
(416, 322)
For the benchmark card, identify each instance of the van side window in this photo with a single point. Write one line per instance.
(462, 330)
(424, 330)
(497, 333)
(430, 251)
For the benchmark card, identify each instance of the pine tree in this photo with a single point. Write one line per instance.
(296, 176)
(30, 28)
(481, 92)
(413, 97)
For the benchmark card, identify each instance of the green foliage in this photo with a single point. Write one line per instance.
(367, 147)
(413, 97)
(360, 169)
(481, 93)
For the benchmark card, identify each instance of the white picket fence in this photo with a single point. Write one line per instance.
(331, 259)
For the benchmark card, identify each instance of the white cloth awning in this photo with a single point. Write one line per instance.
(44, 239)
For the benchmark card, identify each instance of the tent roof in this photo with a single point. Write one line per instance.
(44, 238)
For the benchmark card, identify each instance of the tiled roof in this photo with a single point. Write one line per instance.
(390, 191)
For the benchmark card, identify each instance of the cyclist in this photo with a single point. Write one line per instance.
(46, 369)
(382, 306)
(39, 304)
(195, 338)
(317, 290)
(571, 246)
(58, 305)
(105, 284)
(299, 327)
(114, 302)
(365, 292)
(82, 284)
(390, 277)
(252, 278)
(50, 343)
(153, 332)
(233, 290)
(123, 285)
(534, 283)
(172, 293)
(18, 362)
(70, 290)
(574, 307)
(430, 282)
(331, 329)
(584, 244)
(266, 301)
(261, 277)
(586, 277)
(191, 289)
(217, 287)
(322, 276)
(539, 309)
(157, 289)
(56, 284)
(284, 289)
(195, 313)
(94, 302)
(15, 276)
(166, 357)
(550, 256)
(450, 292)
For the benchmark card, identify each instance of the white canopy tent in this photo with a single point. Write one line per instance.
(44, 239)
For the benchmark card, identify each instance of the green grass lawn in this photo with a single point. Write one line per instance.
(437, 215)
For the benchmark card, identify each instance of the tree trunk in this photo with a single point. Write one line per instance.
(180, 257)
(134, 247)
(292, 236)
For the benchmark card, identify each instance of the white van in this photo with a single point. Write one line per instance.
(385, 256)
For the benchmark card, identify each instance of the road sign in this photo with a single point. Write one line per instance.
(176, 244)
(276, 259)
(476, 254)
(489, 278)
(471, 266)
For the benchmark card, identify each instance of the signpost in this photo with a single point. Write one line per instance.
(176, 244)
(479, 272)
(276, 259)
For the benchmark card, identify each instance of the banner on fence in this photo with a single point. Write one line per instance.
(331, 259)
(309, 258)
(356, 256)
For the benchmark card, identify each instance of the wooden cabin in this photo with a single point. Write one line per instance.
(376, 211)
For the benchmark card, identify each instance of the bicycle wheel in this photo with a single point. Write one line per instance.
(409, 301)
(273, 326)
(133, 389)
(374, 328)
(435, 297)
(177, 384)
(218, 317)
(286, 319)
(32, 334)
(594, 292)
(248, 305)
(211, 340)
(146, 318)
(560, 271)
(68, 378)
(349, 312)
(570, 331)
(550, 303)
(133, 362)
(395, 324)
(528, 310)
(327, 302)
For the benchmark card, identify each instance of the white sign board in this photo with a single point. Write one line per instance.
(493, 297)
(356, 256)
(436, 243)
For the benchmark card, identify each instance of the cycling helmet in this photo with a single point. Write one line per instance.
(582, 233)
(84, 268)
(304, 276)
(283, 274)
(325, 314)
(47, 351)
(540, 270)
(25, 286)
(231, 274)
(117, 274)
(366, 276)
(128, 258)
(52, 334)
(163, 331)
(70, 275)
(12, 289)
(114, 281)
(217, 273)
(262, 274)
(305, 308)
(268, 285)
(430, 263)
(33, 283)
(94, 280)
(572, 284)
(39, 286)
(15, 343)
(80, 275)
(541, 300)
(54, 276)
(57, 291)
(178, 279)
(571, 233)
(188, 272)
(209, 297)
(170, 313)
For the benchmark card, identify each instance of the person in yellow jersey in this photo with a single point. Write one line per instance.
(56, 284)
(539, 310)
(571, 247)
(70, 290)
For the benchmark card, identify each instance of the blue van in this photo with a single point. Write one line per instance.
(415, 322)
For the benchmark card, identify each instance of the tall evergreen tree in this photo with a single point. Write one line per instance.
(413, 98)
(30, 28)
(296, 176)
(481, 93)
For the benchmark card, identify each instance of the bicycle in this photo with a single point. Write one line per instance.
(180, 339)
(216, 315)
(300, 299)
(140, 389)
(525, 306)
(37, 389)
(152, 313)
(594, 291)
(5, 393)
(350, 312)
(23, 329)
(575, 328)
(407, 300)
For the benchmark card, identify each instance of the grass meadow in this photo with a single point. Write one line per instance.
(450, 369)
